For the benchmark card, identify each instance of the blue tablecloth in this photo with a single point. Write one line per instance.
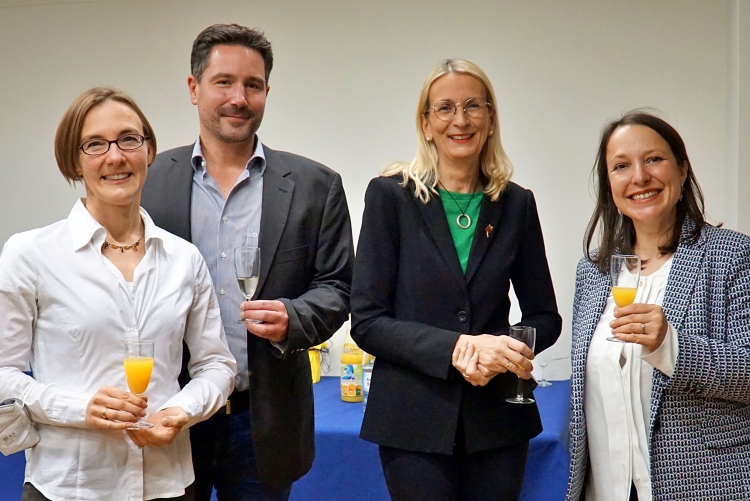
(349, 468)
(346, 467)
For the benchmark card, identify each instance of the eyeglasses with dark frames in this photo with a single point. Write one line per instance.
(473, 107)
(126, 142)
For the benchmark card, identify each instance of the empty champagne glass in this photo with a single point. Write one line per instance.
(139, 362)
(247, 267)
(625, 272)
(527, 335)
(543, 363)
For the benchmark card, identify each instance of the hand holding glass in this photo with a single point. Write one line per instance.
(139, 362)
(625, 273)
(247, 267)
(527, 335)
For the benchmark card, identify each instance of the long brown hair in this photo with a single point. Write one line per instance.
(616, 230)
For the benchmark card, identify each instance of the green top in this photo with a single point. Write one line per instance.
(462, 237)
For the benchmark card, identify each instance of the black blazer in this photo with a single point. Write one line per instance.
(411, 300)
(307, 257)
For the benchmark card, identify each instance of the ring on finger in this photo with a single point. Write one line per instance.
(465, 375)
(104, 414)
(509, 365)
(643, 328)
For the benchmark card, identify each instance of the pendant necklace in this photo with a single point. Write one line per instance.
(463, 216)
(123, 248)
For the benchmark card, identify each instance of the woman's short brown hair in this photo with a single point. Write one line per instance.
(68, 136)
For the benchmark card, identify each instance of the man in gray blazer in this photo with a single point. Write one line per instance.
(227, 189)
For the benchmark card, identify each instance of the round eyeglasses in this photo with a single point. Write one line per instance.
(473, 107)
(126, 142)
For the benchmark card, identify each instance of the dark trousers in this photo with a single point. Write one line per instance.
(224, 458)
(30, 493)
(494, 475)
(633, 493)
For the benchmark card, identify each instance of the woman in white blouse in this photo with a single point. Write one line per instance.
(73, 292)
(664, 415)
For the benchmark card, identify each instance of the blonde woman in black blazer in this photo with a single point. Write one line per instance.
(442, 239)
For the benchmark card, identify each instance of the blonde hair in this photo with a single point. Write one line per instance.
(68, 136)
(495, 165)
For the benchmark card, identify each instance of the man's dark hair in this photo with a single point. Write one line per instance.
(228, 34)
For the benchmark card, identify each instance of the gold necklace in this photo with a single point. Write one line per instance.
(123, 248)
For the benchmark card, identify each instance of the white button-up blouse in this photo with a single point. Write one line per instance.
(617, 401)
(66, 310)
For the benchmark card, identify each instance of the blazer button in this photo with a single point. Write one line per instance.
(462, 316)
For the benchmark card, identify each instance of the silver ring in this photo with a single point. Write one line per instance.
(643, 328)
(104, 414)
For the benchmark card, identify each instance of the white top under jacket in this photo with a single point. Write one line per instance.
(617, 400)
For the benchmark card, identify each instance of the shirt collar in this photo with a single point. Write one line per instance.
(200, 167)
(84, 228)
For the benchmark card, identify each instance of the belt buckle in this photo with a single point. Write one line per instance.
(228, 407)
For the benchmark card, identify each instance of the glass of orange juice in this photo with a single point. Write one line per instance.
(139, 362)
(625, 273)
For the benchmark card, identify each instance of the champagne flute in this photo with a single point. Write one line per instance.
(625, 272)
(543, 363)
(527, 335)
(139, 362)
(247, 268)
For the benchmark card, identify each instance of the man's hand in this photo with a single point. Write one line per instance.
(167, 424)
(273, 318)
(114, 409)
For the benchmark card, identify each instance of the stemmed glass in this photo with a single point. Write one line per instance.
(625, 272)
(247, 268)
(527, 335)
(543, 363)
(139, 362)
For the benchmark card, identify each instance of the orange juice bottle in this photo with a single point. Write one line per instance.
(351, 372)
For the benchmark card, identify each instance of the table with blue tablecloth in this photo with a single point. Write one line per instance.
(348, 468)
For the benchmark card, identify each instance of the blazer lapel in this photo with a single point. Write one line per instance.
(489, 214)
(277, 198)
(178, 196)
(686, 263)
(435, 218)
(595, 300)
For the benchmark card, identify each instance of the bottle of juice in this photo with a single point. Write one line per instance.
(351, 372)
(368, 362)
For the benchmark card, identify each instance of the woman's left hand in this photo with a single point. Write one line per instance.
(465, 360)
(644, 324)
(167, 424)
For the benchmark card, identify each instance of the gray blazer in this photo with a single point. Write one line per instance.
(307, 257)
(699, 433)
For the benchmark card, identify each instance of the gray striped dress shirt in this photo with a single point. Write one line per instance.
(218, 226)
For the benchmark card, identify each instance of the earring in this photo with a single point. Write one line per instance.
(619, 212)
(429, 139)
(682, 192)
(492, 132)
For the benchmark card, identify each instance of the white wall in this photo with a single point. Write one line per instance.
(346, 80)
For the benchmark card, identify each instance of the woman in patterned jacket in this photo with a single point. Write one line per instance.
(664, 415)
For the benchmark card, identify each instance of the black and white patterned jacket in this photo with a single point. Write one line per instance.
(699, 434)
